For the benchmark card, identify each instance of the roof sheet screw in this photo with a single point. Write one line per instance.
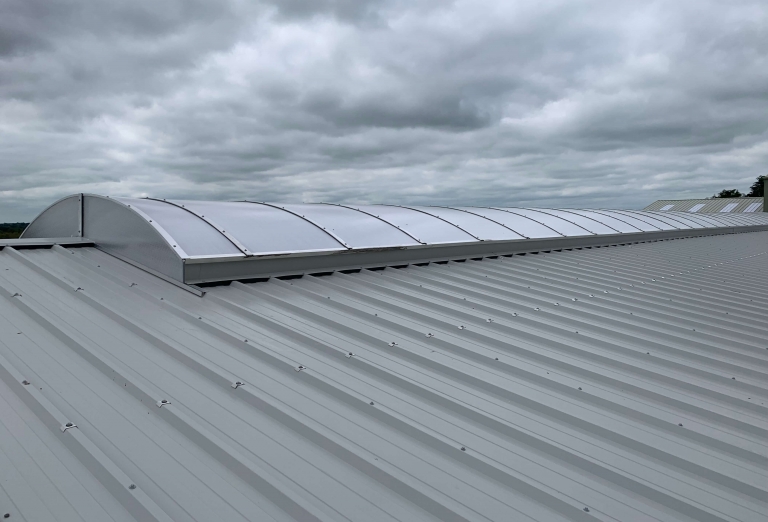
(237, 384)
(17, 295)
(586, 509)
(579, 387)
(371, 403)
(162, 402)
(734, 378)
(132, 486)
(350, 354)
(430, 335)
(462, 327)
(463, 448)
(67, 426)
(393, 343)
(680, 424)
(300, 367)
(25, 382)
(7, 515)
(489, 320)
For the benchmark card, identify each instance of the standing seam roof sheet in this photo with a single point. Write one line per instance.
(616, 383)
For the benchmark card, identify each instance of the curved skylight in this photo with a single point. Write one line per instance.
(205, 240)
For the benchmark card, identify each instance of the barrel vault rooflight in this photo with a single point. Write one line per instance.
(210, 241)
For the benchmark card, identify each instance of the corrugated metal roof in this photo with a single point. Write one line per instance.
(717, 205)
(617, 383)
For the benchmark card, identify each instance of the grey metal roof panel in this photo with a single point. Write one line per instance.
(617, 383)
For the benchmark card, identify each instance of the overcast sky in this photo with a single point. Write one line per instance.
(548, 103)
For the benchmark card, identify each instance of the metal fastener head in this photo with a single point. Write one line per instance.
(350, 354)
(132, 486)
(162, 403)
(462, 327)
(430, 335)
(67, 426)
(25, 382)
(300, 367)
(393, 343)
(237, 384)
(463, 448)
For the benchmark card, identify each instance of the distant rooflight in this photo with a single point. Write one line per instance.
(666, 207)
(696, 208)
(753, 207)
(728, 207)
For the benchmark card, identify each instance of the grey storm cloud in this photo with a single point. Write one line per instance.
(594, 103)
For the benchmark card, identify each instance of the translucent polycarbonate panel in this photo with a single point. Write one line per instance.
(424, 227)
(628, 220)
(642, 218)
(666, 207)
(751, 219)
(478, 226)
(724, 221)
(356, 229)
(566, 228)
(712, 219)
(696, 208)
(520, 224)
(664, 217)
(729, 207)
(191, 233)
(263, 229)
(584, 222)
(692, 218)
(754, 207)
(673, 218)
(617, 223)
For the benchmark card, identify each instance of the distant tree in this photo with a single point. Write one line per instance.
(757, 188)
(11, 230)
(728, 193)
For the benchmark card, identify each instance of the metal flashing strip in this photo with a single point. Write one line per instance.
(321, 227)
(80, 214)
(189, 288)
(219, 229)
(45, 242)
